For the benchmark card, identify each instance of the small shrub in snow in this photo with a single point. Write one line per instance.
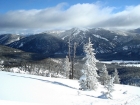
(1, 65)
(15, 70)
(103, 96)
(83, 82)
(78, 92)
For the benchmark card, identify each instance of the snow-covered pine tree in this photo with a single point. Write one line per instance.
(109, 87)
(90, 69)
(103, 73)
(67, 67)
(116, 77)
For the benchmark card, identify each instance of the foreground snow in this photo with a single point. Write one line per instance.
(21, 89)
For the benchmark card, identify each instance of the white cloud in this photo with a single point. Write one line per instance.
(128, 18)
(78, 15)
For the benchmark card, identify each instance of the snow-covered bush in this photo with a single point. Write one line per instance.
(83, 81)
(15, 70)
(1, 65)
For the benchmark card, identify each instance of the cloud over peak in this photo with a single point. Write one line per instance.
(78, 15)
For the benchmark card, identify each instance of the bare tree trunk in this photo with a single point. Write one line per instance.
(72, 67)
(69, 53)
(71, 58)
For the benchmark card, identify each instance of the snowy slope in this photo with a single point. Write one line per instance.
(9, 38)
(23, 89)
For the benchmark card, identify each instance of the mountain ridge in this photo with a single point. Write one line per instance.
(107, 43)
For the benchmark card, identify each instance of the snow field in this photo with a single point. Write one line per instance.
(24, 89)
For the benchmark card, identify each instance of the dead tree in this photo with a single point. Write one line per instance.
(71, 53)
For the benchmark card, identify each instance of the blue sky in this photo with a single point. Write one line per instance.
(26, 15)
(10, 5)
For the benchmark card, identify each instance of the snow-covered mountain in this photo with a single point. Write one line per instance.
(9, 38)
(39, 43)
(117, 44)
(25, 89)
(112, 44)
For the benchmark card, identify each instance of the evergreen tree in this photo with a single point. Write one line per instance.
(109, 87)
(67, 67)
(90, 69)
(116, 77)
(103, 73)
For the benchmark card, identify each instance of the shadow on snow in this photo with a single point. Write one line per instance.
(53, 82)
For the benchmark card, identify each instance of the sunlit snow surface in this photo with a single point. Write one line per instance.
(23, 89)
